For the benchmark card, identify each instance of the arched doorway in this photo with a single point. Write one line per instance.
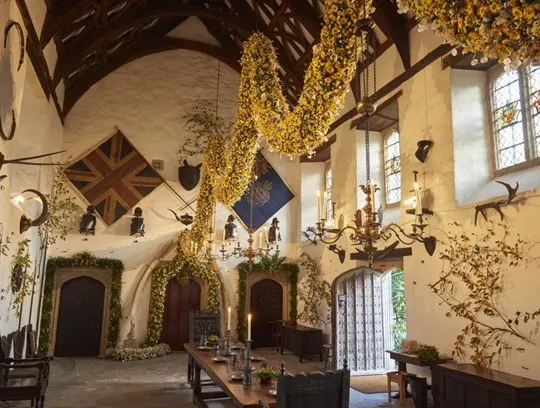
(80, 318)
(363, 320)
(266, 305)
(179, 301)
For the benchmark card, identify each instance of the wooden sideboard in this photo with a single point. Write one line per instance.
(468, 386)
(301, 340)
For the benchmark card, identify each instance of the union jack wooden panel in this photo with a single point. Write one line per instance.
(114, 177)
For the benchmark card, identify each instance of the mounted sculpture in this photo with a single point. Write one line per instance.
(26, 223)
(189, 175)
(497, 205)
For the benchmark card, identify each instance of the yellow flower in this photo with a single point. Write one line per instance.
(514, 35)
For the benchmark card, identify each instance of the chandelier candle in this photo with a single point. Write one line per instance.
(229, 318)
(249, 328)
(318, 205)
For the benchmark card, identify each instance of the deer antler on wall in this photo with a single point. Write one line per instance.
(497, 205)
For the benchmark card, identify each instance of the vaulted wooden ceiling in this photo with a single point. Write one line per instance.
(95, 37)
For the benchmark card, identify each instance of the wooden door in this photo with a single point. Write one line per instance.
(266, 305)
(80, 318)
(179, 301)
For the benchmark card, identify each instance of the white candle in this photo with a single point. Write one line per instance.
(249, 327)
(418, 199)
(373, 197)
(318, 206)
(196, 247)
(229, 318)
(266, 235)
(325, 205)
(260, 239)
(191, 246)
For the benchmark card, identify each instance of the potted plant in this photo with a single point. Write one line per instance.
(428, 353)
(266, 375)
(213, 340)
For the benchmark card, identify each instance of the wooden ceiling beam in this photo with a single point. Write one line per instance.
(138, 50)
(308, 15)
(394, 26)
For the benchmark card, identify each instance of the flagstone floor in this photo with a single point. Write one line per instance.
(157, 383)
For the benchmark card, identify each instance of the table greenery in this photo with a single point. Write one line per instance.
(428, 353)
(266, 375)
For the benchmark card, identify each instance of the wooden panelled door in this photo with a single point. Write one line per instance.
(80, 318)
(266, 305)
(179, 301)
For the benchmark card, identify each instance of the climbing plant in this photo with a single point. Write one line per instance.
(399, 328)
(272, 265)
(181, 265)
(471, 284)
(82, 260)
(314, 292)
(21, 284)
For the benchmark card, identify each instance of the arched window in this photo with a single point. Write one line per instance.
(392, 168)
(515, 107)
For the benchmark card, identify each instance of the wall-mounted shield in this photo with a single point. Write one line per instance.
(189, 175)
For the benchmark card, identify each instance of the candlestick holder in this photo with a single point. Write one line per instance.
(228, 351)
(248, 368)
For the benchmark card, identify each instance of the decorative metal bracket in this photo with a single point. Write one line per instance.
(12, 130)
(10, 24)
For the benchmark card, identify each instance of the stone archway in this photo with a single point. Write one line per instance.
(68, 276)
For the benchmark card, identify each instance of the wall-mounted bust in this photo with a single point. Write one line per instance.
(230, 228)
(274, 234)
(137, 223)
(87, 225)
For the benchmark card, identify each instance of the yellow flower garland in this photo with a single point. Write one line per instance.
(263, 110)
(508, 30)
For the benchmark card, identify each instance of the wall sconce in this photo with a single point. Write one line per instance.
(87, 225)
(26, 221)
(424, 146)
(137, 224)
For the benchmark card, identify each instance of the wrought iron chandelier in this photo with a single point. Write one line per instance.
(368, 229)
(231, 247)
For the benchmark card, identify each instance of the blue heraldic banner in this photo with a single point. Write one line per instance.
(270, 194)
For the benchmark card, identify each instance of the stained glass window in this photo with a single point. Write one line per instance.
(392, 168)
(515, 97)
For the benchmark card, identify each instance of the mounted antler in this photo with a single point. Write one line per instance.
(497, 205)
(10, 24)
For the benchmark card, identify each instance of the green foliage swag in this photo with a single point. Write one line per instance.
(83, 259)
(272, 265)
(181, 264)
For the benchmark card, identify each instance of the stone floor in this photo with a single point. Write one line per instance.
(157, 383)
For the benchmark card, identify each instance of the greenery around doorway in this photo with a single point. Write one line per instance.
(399, 326)
(82, 260)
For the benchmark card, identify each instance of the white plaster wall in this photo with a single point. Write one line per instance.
(147, 100)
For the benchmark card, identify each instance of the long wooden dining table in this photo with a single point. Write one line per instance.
(221, 374)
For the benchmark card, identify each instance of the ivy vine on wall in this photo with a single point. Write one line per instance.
(180, 266)
(315, 293)
(21, 279)
(82, 260)
(471, 284)
(272, 265)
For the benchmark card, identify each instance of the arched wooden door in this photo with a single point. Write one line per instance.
(80, 318)
(179, 301)
(266, 305)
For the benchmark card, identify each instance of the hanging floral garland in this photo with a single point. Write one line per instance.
(263, 110)
(508, 30)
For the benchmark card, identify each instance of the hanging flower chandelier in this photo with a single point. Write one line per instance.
(508, 30)
(368, 229)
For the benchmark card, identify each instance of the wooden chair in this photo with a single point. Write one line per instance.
(314, 390)
(276, 334)
(399, 378)
(203, 322)
(14, 387)
(327, 354)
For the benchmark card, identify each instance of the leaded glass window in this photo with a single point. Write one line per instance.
(392, 168)
(515, 100)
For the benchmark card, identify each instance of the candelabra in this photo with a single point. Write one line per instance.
(249, 252)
